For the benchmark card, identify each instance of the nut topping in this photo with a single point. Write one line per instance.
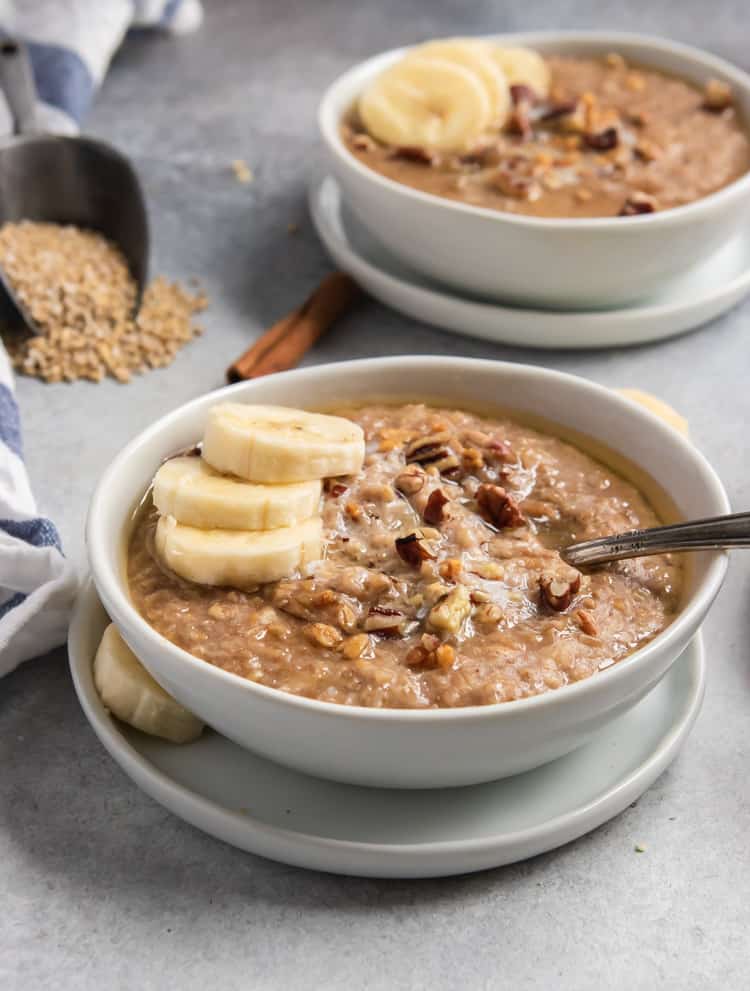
(322, 635)
(410, 482)
(434, 511)
(415, 548)
(384, 621)
(413, 153)
(638, 203)
(450, 611)
(498, 508)
(717, 96)
(557, 592)
(332, 487)
(426, 450)
(603, 140)
(586, 622)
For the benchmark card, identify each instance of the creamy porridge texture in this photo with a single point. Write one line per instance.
(608, 139)
(441, 584)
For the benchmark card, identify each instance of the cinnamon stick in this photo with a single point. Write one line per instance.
(284, 345)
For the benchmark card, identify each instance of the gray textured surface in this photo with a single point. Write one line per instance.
(101, 887)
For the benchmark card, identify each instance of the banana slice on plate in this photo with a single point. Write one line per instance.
(239, 558)
(191, 491)
(427, 102)
(476, 56)
(129, 692)
(279, 444)
(657, 406)
(523, 66)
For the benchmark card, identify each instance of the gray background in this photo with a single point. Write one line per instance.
(103, 888)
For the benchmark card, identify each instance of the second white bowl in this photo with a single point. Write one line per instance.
(575, 263)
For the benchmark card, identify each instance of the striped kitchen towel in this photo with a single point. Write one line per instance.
(71, 43)
(37, 584)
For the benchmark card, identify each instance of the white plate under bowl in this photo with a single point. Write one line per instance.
(690, 301)
(278, 813)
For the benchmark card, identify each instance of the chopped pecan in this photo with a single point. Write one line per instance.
(430, 652)
(510, 179)
(498, 508)
(428, 450)
(354, 647)
(564, 108)
(334, 488)
(717, 96)
(586, 622)
(414, 153)
(363, 142)
(558, 593)
(487, 614)
(414, 548)
(410, 482)
(647, 151)
(602, 140)
(638, 203)
(322, 635)
(353, 510)
(450, 569)
(384, 621)
(499, 449)
(450, 611)
(521, 93)
(434, 511)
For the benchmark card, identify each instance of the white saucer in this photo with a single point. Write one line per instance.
(694, 299)
(264, 808)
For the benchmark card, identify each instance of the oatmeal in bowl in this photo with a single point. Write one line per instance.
(575, 170)
(437, 581)
(401, 615)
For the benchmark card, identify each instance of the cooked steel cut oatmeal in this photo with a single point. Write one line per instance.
(610, 138)
(441, 583)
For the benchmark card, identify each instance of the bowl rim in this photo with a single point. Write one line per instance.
(112, 587)
(329, 118)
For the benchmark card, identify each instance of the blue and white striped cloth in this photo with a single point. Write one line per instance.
(71, 43)
(37, 584)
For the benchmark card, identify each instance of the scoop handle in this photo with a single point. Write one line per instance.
(17, 83)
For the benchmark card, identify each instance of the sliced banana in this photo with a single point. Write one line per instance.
(427, 102)
(476, 56)
(239, 558)
(191, 491)
(130, 693)
(523, 66)
(279, 444)
(657, 406)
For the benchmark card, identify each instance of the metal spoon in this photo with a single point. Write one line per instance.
(714, 533)
(64, 180)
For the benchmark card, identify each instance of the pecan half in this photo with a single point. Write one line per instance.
(603, 140)
(717, 96)
(557, 592)
(434, 511)
(414, 548)
(384, 621)
(427, 450)
(636, 204)
(498, 508)
(413, 153)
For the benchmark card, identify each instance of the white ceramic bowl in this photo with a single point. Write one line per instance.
(395, 747)
(576, 263)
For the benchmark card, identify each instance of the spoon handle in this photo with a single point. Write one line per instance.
(716, 533)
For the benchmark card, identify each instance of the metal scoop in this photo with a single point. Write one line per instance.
(63, 180)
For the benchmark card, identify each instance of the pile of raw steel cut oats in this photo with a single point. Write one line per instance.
(78, 290)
